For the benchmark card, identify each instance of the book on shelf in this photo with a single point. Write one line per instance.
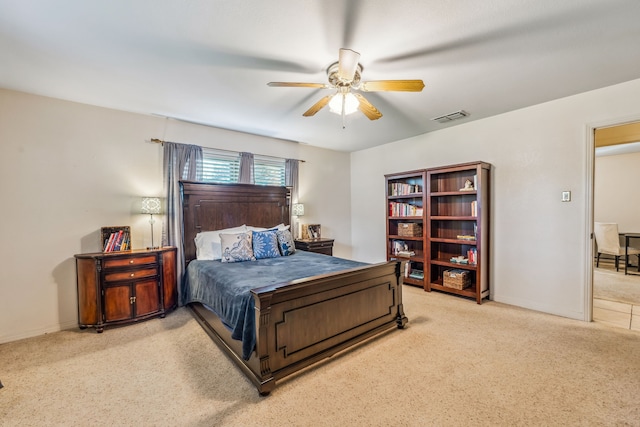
(405, 253)
(398, 246)
(465, 237)
(416, 274)
(474, 208)
(472, 256)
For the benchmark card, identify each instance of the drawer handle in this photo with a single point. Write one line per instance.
(132, 274)
(130, 261)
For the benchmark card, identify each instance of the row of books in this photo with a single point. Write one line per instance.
(403, 189)
(117, 241)
(404, 209)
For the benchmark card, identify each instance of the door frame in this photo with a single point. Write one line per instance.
(589, 203)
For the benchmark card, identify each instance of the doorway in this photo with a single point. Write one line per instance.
(616, 296)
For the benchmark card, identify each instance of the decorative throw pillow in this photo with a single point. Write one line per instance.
(285, 242)
(265, 244)
(237, 247)
(208, 242)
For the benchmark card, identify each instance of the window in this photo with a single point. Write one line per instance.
(268, 171)
(224, 167)
(220, 166)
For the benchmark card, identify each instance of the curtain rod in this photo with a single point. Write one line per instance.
(159, 141)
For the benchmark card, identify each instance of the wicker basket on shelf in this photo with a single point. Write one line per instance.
(457, 279)
(409, 229)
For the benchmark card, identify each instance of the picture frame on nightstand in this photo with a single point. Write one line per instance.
(311, 231)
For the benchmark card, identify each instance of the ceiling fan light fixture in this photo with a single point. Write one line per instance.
(351, 103)
(345, 76)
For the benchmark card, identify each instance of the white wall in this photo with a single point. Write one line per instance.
(616, 182)
(539, 244)
(68, 169)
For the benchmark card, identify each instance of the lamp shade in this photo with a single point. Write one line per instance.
(150, 205)
(351, 103)
(297, 209)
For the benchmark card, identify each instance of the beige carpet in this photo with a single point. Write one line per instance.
(456, 364)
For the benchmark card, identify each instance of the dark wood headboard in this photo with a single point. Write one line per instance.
(208, 207)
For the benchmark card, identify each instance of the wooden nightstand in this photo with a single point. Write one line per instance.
(321, 246)
(125, 287)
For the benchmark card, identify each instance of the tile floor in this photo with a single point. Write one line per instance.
(623, 315)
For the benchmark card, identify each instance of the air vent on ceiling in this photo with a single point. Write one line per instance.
(451, 116)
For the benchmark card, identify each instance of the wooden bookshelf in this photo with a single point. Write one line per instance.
(405, 196)
(457, 236)
(451, 206)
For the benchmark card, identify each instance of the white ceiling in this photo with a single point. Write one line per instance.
(209, 61)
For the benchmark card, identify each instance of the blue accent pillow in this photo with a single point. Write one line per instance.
(265, 244)
(285, 241)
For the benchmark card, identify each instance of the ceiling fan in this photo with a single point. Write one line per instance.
(345, 77)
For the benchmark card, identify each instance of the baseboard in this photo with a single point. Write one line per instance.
(37, 332)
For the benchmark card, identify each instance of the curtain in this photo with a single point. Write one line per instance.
(180, 162)
(291, 180)
(246, 169)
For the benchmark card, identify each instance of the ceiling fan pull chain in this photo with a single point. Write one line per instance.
(344, 101)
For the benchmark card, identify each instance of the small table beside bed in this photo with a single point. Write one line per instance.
(279, 313)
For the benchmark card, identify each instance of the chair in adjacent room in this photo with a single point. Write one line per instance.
(608, 242)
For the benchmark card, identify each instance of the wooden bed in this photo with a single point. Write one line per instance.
(300, 322)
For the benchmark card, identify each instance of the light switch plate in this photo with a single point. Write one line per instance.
(566, 196)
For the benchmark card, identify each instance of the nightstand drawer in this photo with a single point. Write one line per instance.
(321, 246)
(130, 274)
(129, 261)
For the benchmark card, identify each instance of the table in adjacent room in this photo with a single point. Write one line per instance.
(627, 238)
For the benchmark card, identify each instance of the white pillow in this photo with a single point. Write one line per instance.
(208, 242)
(278, 227)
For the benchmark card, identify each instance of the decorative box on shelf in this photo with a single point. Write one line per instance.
(457, 279)
(409, 229)
(115, 239)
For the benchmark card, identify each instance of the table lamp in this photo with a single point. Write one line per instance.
(151, 205)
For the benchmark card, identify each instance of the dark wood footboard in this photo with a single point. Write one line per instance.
(304, 321)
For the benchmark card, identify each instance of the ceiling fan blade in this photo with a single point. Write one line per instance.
(287, 84)
(317, 106)
(367, 108)
(347, 64)
(392, 85)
